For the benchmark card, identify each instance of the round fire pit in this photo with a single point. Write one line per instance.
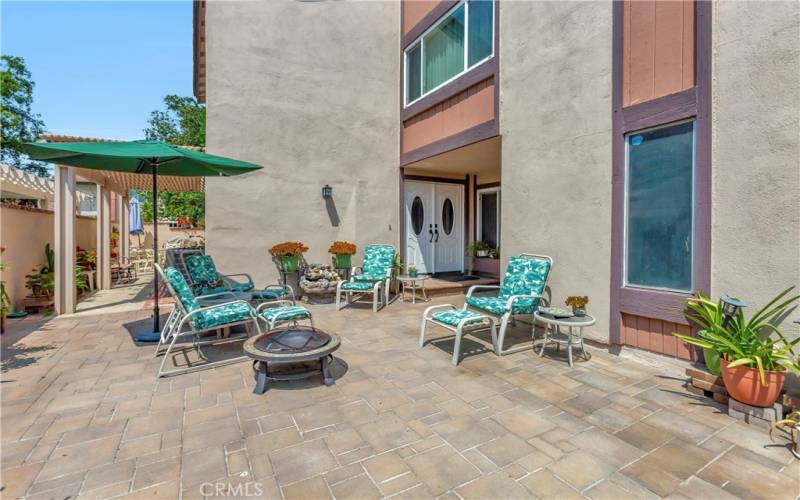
(291, 345)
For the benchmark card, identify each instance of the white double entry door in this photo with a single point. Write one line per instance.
(434, 218)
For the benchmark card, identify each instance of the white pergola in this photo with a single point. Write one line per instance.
(66, 197)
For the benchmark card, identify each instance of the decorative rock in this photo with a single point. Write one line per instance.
(319, 279)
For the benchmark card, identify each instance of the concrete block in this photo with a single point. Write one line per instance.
(762, 417)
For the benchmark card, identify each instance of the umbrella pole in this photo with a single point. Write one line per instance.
(156, 327)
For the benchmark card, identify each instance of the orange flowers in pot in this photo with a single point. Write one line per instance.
(288, 248)
(342, 248)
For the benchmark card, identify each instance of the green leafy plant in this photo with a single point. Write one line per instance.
(744, 342)
(477, 246)
(792, 423)
(81, 279)
(412, 269)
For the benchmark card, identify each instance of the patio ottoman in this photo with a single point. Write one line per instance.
(458, 321)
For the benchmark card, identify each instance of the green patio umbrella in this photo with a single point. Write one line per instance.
(139, 157)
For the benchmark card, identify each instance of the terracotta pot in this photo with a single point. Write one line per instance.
(744, 385)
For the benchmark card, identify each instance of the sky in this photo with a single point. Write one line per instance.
(100, 68)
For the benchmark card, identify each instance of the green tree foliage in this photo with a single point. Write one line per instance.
(18, 123)
(182, 123)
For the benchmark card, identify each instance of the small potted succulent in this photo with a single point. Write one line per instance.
(342, 252)
(578, 304)
(288, 253)
(412, 272)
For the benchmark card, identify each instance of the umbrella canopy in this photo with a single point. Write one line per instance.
(137, 157)
(135, 217)
(140, 157)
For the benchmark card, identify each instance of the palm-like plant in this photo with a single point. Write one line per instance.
(744, 342)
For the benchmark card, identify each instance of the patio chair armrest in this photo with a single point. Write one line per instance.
(433, 308)
(285, 288)
(481, 287)
(279, 302)
(514, 298)
(249, 279)
(217, 295)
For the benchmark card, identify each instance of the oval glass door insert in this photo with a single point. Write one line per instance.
(417, 215)
(448, 216)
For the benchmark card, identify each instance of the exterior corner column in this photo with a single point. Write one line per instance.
(125, 227)
(64, 239)
(103, 238)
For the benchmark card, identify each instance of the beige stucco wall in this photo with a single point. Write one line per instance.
(555, 119)
(24, 234)
(309, 90)
(756, 150)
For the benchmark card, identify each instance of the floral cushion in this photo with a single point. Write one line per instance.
(497, 306)
(524, 276)
(285, 313)
(453, 316)
(201, 269)
(222, 315)
(178, 283)
(370, 277)
(357, 285)
(378, 260)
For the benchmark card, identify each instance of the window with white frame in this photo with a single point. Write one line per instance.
(488, 216)
(462, 39)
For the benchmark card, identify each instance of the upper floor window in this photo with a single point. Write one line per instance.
(460, 40)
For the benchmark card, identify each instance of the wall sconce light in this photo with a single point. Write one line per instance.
(730, 307)
(327, 191)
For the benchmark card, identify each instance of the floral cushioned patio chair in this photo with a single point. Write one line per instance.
(375, 276)
(188, 319)
(518, 294)
(205, 280)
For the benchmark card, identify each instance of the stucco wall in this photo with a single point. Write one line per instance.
(309, 90)
(756, 150)
(555, 118)
(24, 234)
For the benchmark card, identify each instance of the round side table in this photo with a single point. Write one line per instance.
(553, 333)
(406, 280)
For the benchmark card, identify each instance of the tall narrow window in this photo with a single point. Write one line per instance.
(444, 50)
(481, 30)
(659, 211)
(489, 217)
(414, 73)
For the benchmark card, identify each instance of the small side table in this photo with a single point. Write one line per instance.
(406, 280)
(553, 333)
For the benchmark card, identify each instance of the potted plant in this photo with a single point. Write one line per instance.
(342, 252)
(5, 300)
(412, 271)
(288, 253)
(578, 304)
(478, 249)
(754, 353)
(114, 236)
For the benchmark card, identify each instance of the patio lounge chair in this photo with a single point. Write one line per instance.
(205, 279)
(375, 277)
(518, 294)
(188, 319)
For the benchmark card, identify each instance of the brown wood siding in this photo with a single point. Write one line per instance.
(658, 49)
(414, 11)
(655, 335)
(474, 106)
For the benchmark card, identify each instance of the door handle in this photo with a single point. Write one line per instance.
(430, 231)
(436, 231)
